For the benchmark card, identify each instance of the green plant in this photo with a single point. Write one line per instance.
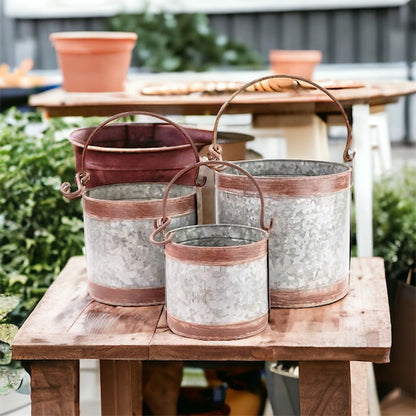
(39, 229)
(180, 42)
(394, 221)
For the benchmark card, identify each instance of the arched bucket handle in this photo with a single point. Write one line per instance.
(161, 224)
(215, 149)
(82, 177)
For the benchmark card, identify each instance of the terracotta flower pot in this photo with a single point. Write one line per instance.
(294, 62)
(93, 61)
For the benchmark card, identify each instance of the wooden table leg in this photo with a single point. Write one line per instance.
(325, 388)
(363, 179)
(55, 387)
(121, 387)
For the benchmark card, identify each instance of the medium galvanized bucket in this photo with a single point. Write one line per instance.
(309, 250)
(216, 276)
(123, 267)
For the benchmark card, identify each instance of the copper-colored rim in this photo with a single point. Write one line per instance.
(126, 296)
(303, 298)
(289, 186)
(217, 256)
(217, 332)
(129, 209)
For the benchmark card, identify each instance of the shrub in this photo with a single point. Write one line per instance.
(39, 229)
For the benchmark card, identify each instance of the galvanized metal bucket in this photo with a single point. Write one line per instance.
(123, 267)
(136, 152)
(309, 250)
(216, 275)
(142, 152)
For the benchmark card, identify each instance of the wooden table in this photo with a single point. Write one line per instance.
(299, 113)
(329, 341)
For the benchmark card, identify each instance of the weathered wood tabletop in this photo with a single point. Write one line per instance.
(67, 325)
(57, 102)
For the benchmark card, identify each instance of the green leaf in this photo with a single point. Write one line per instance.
(8, 332)
(7, 304)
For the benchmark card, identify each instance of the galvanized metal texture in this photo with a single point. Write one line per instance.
(309, 247)
(119, 254)
(205, 295)
(162, 223)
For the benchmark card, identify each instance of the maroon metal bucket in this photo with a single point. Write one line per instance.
(136, 152)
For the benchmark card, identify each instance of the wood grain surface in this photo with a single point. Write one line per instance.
(57, 102)
(55, 387)
(68, 324)
(328, 341)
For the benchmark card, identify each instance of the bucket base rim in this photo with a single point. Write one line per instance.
(306, 298)
(225, 332)
(126, 296)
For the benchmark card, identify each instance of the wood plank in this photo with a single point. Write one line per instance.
(325, 388)
(57, 102)
(101, 331)
(55, 388)
(356, 328)
(68, 324)
(121, 387)
(63, 302)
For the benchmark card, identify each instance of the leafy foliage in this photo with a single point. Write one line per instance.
(39, 229)
(394, 221)
(180, 42)
(394, 214)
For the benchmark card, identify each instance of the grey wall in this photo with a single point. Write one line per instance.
(384, 34)
(345, 36)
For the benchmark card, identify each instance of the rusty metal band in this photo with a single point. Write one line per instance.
(126, 296)
(217, 256)
(217, 332)
(302, 298)
(289, 186)
(125, 210)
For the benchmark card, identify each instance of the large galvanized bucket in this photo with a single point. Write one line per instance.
(136, 152)
(309, 250)
(140, 152)
(123, 267)
(216, 276)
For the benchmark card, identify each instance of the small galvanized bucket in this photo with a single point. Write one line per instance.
(216, 275)
(123, 267)
(309, 250)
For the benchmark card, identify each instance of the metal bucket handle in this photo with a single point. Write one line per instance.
(162, 223)
(215, 149)
(82, 177)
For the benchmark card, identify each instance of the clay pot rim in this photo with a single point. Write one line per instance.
(93, 35)
(312, 55)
